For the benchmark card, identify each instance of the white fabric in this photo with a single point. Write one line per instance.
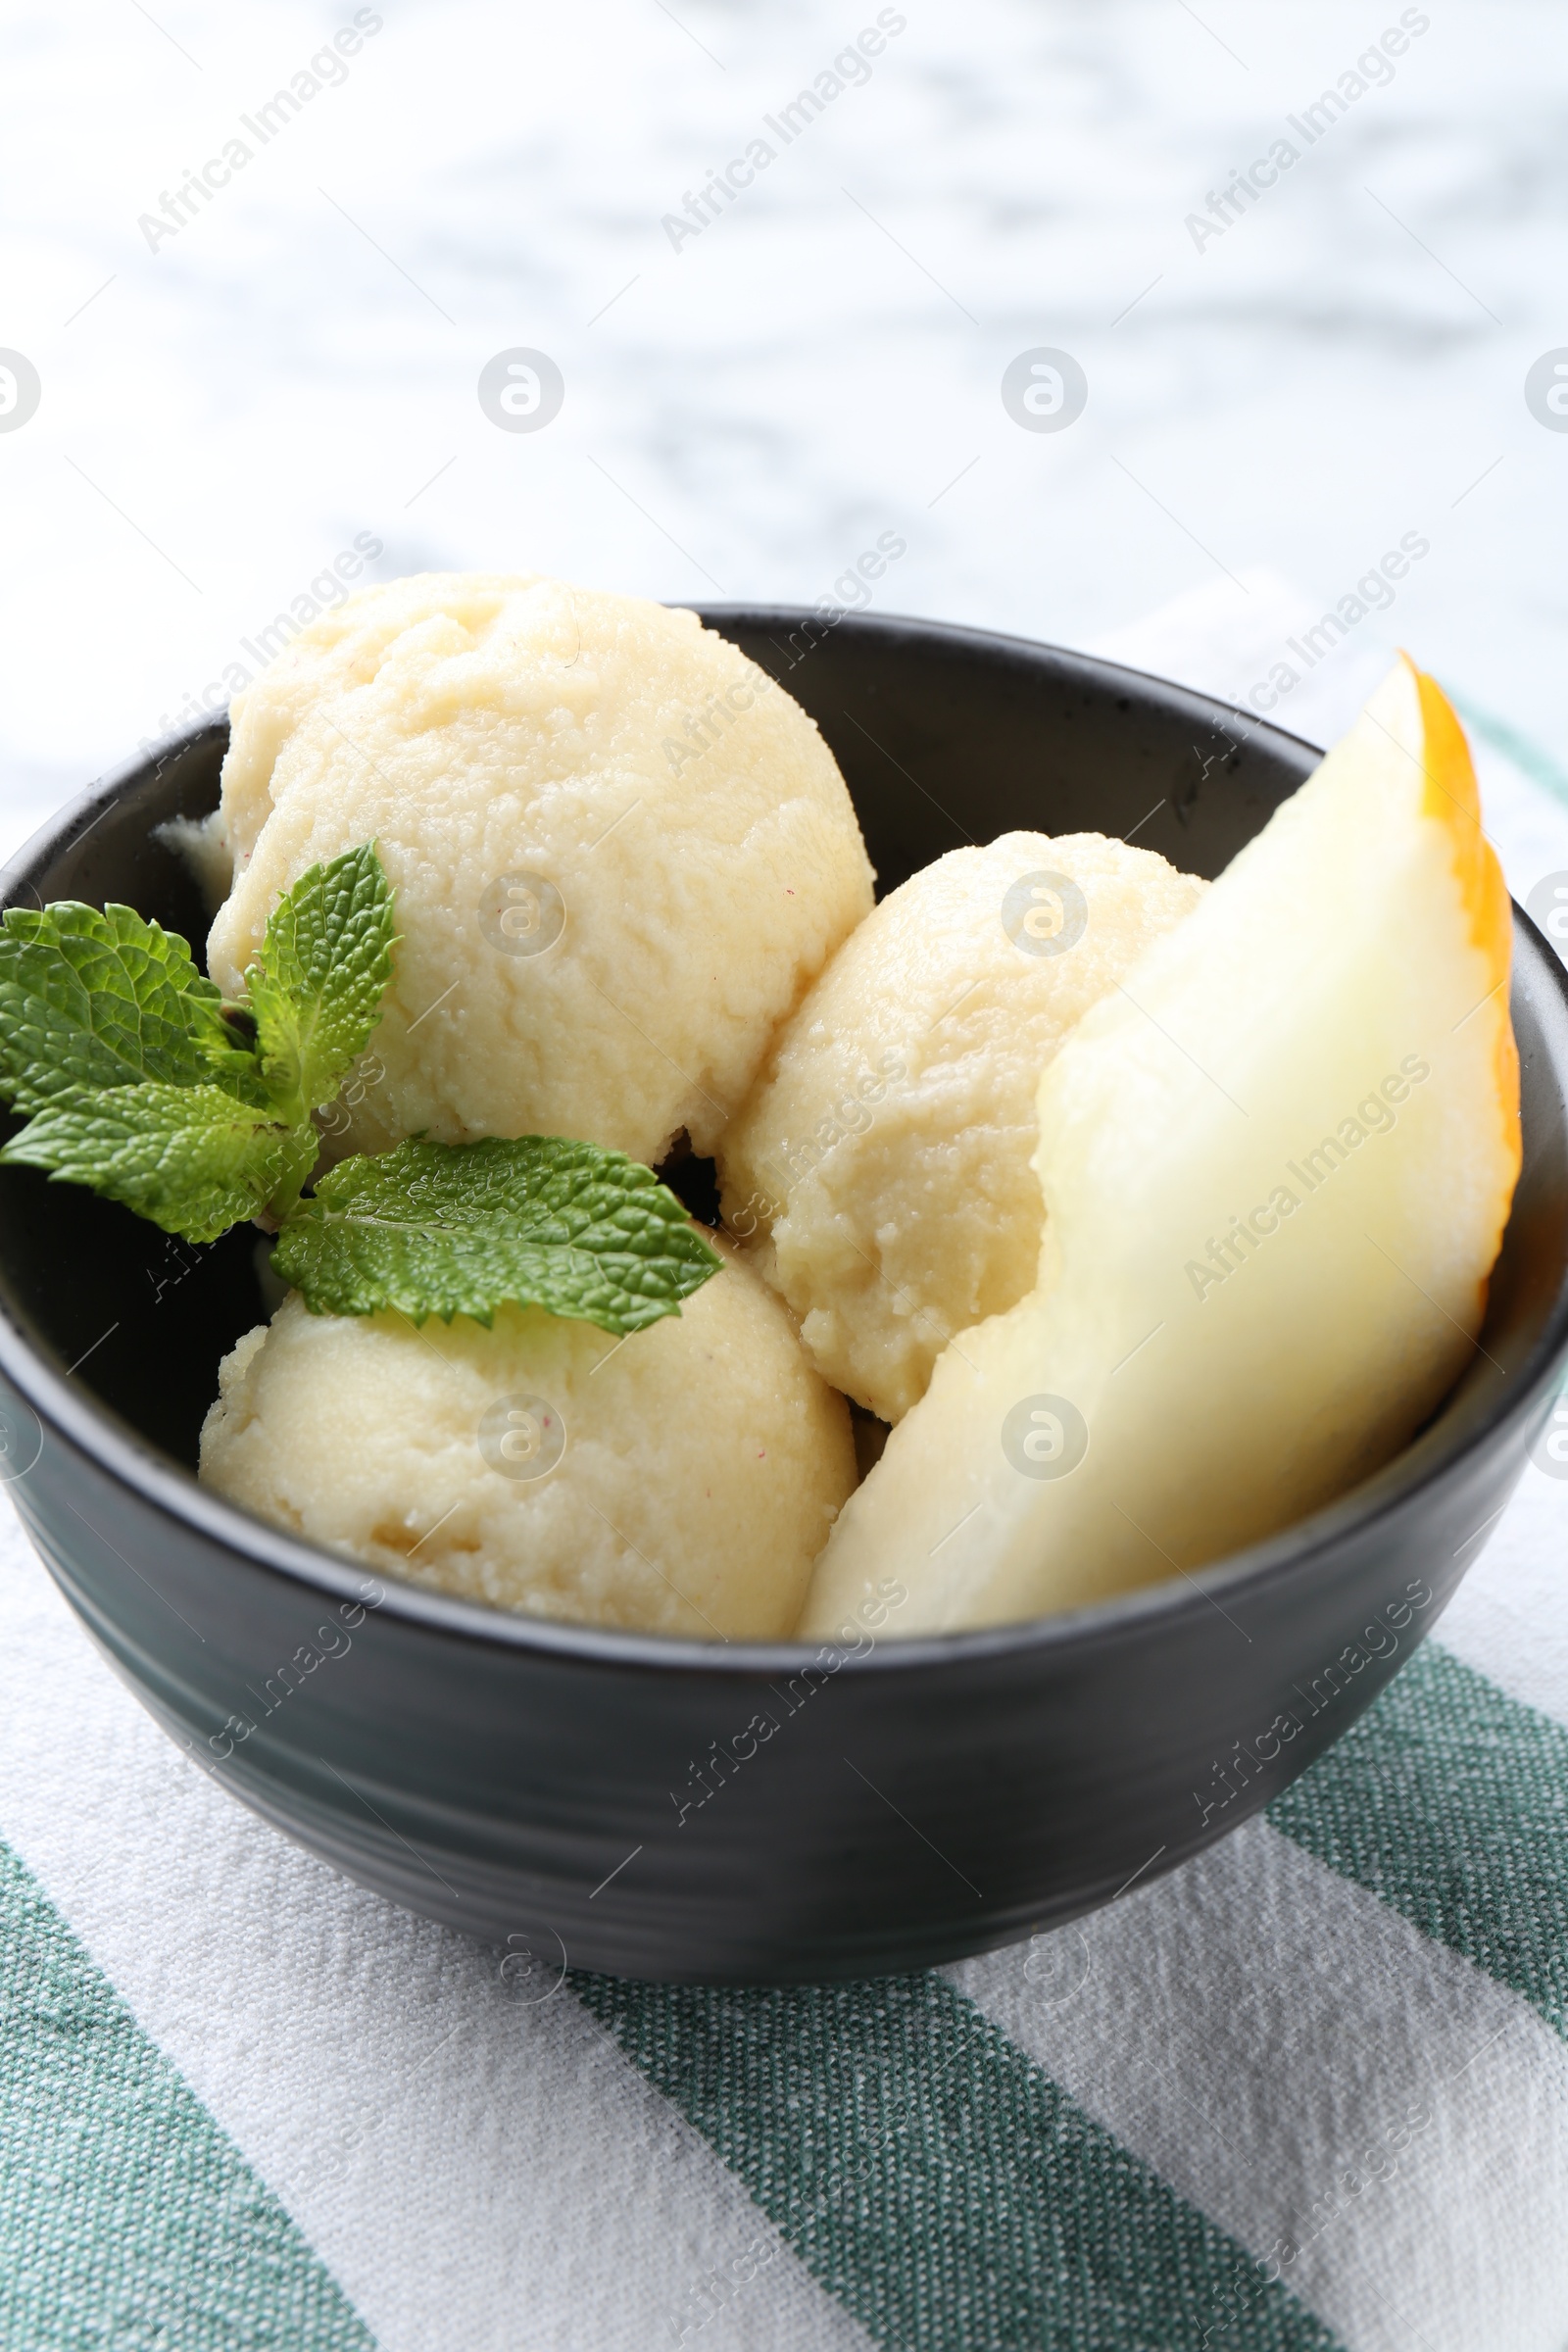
(1255, 2026)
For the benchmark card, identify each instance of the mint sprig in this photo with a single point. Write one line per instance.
(437, 1229)
(141, 1084)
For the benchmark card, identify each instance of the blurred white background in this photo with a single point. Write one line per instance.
(223, 410)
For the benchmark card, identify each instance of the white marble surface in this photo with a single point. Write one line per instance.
(227, 411)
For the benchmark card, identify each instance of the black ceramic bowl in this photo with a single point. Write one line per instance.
(867, 1813)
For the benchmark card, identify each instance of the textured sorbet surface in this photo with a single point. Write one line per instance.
(621, 854)
(704, 1460)
(884, 1160)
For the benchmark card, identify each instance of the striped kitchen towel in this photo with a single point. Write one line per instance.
(1310, 2090)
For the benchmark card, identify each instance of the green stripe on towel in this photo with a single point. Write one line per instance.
(128, 2217)
(935, 2180)
(1531, 759)
(1449, 1800)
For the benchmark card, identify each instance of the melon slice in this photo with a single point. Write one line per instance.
(1277, 1163)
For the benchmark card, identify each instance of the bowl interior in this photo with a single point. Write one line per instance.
(945, 736)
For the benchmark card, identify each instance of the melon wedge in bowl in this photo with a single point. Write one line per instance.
(1277, 1164)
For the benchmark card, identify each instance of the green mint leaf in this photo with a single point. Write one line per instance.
(91, 1000)
(438, 1229)
(316, 986)
(192, 1158)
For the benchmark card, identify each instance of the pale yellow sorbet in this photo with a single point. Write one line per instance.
(619, 853)
(883, 1162)
(703, 1467)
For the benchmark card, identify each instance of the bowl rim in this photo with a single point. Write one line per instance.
(116, 1447)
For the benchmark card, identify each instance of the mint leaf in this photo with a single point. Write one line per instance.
(317, 985)
(192, 1158)
(438, 1229)
(91, 1000)
(144, 1086)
